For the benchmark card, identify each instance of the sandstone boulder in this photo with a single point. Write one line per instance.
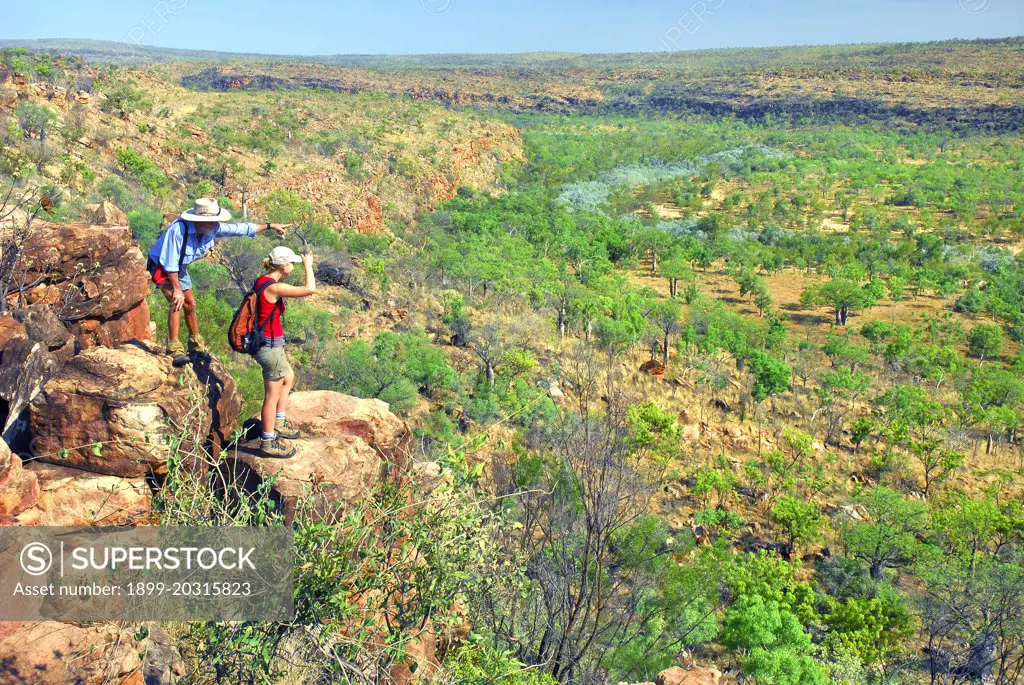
(345, 450)
(25, 368)
(19, 488)
(341, 469)
(92, 273)
(42, 325)
(222, 399)
(50, 653)
(323, 413)
(116, 410)
(108, 214)
(10, 328)
(133, 324)
(693, 676)
(653, 367)
(70, 497)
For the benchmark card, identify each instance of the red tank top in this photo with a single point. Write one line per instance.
(265, 308)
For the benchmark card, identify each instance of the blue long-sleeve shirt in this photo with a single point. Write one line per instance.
(167, 249)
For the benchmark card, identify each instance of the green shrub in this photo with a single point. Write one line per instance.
(125, 99)
(146, 223)
(395, 368)
(774, 648)
(480, 663)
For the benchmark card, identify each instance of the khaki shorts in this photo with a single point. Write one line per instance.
(274, 362)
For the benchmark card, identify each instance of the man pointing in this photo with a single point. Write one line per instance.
(186, 239)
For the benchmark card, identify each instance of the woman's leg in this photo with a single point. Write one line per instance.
(271, 397)
(288, 382)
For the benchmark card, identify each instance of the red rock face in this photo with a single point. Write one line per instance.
(19, 488)
(49, 653)
(694, 676)
(129, 400)
(69, 497)
(9, 329)
(131, 325)
(343, 454)
(373, 222)
(88, 275)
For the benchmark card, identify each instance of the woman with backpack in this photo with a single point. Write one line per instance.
(278, 376)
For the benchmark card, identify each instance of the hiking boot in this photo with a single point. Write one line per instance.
(286, 430)
(196, 345)
(275, 448)
(176, 350)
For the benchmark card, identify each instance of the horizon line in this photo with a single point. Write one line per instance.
(565, 53)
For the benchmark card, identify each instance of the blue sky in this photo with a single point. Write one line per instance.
(432, 26)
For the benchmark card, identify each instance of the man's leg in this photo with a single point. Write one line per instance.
(191, 320)
(195, 341)
(173, 316)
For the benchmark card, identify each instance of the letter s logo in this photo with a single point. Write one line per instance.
(36, 559)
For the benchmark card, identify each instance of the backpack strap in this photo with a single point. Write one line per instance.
(184, 243)
(258, 290)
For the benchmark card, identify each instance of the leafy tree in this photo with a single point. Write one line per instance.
(34, 120)
(675, 269)
(889, 538)
(455, 317)
(838, 393)
(908, 412)
(840, 350)
(861, 429)
(394, 368)
(841, 295)
(986, 340)
(937, 461)
(666, 316)
(762, 298)
(873, 628)
(800, 519)
(653, 430)
(773, 579)
(771, 375)
(773, 647)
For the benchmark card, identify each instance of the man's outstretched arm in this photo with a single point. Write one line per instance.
(250, 229)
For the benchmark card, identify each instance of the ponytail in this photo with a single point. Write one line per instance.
(267, 266)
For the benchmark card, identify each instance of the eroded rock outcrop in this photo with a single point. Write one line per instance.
(108, 214)
(117, 410)
(693, 676)
(347, 446)
(48, 653)
(104, 409)
(71, 497)
(73, 286)
(92, 277)
(19, 488)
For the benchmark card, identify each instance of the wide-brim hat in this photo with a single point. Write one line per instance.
(206, 209)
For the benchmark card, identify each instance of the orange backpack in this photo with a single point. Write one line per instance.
(245, 334)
